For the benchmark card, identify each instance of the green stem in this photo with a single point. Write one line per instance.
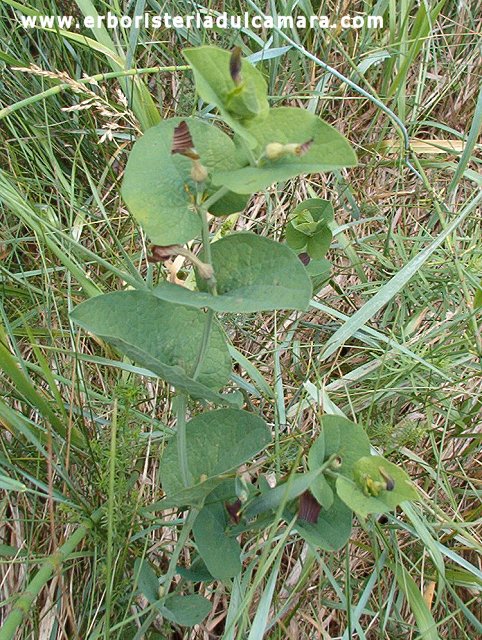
(181, 440)
(207, 258)
(214, 198)
(25, 601)
(204, 343)
(110, 522)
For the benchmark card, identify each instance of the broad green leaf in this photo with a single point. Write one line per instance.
(158, 188)
(161, 336)
(366, 494)
(228, 204)
(217, 442)
(295, 238)
(320, 488)
(316, 454)
(322, 491)
(197, 572)
(147, 580)
(252, 273)
(319, 243)
(186, 610)
(236, 103)
(270, 500)
(308, 227)
(288, 125)
(259, 274)
(220, 552)
(346, 440)
(332, 529)
(319, 272)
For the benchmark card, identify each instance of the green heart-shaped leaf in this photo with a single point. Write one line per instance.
(197, 572)
(332, 528)
(271, 499)
(319, 243)
(160, 336)
(378, 486)
(252, 274)
(319, 272)
(322, 491)
(345, 439)
(308, 227)
(214, 83)
(186, 611)
(147, 579)
(158, 187)
(295, 238)
(221, 553)
(329, 150)
(217, 442)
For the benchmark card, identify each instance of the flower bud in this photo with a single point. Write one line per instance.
(274, 150)
(205, 271)
(199, 173)
(336, 463)
(277, 150)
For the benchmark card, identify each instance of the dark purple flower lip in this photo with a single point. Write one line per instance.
(309, 508)
(233, 510)
(235, 66)
(389, 481)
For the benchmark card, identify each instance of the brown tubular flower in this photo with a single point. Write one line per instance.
(309, 508)
(160, 254)
(277, 150)
(182, 142)
(304, 148)
(235, 66)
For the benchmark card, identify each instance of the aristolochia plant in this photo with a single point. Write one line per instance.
(177, 173)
